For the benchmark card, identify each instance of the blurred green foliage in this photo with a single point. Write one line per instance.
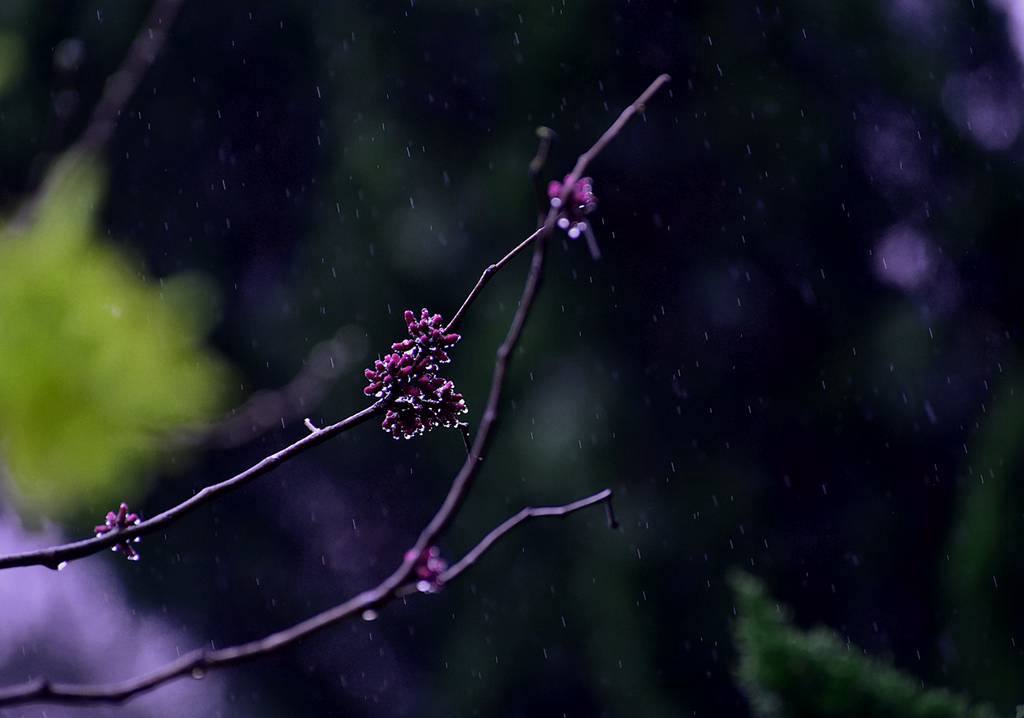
(984, 568)
(789, 672)
(98, 366)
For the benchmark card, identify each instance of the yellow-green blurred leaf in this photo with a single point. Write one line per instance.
(98, 366)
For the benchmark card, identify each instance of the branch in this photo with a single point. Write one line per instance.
(267, 409)
(490, 272)
(398, 583)
(196, 663)
(546, 136)
(375, 598)
(523, 516)
(56, 556)
(582, 163)
(121, 85)
(638, 105)
(118, 89)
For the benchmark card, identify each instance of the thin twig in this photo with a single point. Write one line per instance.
(198, 662)
(581, 166)
(545, 136)
(55, 556)
(267, 410)
(587, 157)
(523, 516)
(121, 85)
(487, 274)
(118, 89)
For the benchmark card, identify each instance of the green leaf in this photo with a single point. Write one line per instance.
(99, 367)
(791, 673)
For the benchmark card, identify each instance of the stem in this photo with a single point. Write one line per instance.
(196, 663)
(486, 277)
(54, 556)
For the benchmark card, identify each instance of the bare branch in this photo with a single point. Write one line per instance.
(119, 88)
(545, 136)
(638, 105)
(122, 84)
(581, 166)
(196, 663)
(54, 556)
(398, 583)
(522, 517)
(267, 410)
(490, 272)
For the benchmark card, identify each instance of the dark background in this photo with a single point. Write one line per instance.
(798, 356)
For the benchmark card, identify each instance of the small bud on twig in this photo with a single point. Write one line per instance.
(429, 567)
(580, 202)
(121, 520)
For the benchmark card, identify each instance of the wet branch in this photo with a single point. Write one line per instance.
(54, 557)
(196, 663)
(582, 163)
(268, 409)
(397, 584)
(526, 514)
(400, 582)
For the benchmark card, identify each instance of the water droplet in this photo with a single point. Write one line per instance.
(370, 615)
(62, 565)
(198, 673)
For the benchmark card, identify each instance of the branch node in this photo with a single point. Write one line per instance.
(313, 429)
(609, 510)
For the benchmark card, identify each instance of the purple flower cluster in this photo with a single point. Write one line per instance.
(419, 399)
(580, 202)
(121, 520)
(429, 567)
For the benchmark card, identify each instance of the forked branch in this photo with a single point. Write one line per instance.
(55, 556)
(198, 662)
(401, 581)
